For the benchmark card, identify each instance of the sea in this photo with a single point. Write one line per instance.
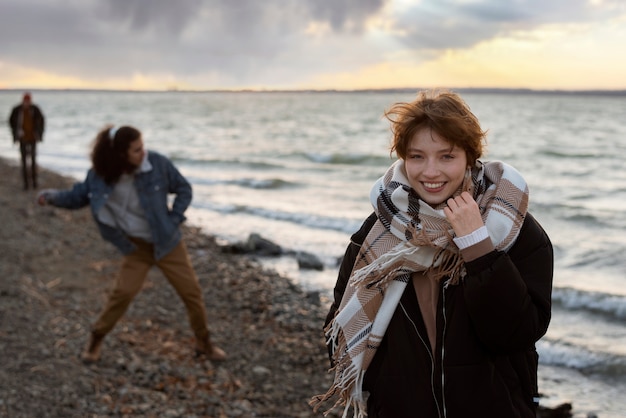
(297, 168)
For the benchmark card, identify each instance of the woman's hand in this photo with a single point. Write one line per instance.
(463, 214)
(43, 197)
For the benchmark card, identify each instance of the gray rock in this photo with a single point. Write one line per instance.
(308, 261)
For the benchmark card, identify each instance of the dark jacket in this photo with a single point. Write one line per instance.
(15, 121)
(485, 362)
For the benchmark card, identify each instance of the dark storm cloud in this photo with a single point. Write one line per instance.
(117, 37)
(342, 13)
(174, 15)
(171, 16)
(29, 26)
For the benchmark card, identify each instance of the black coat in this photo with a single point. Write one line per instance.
(38, 120)
(485, 363)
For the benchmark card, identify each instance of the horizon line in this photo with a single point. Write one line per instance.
(613, 92)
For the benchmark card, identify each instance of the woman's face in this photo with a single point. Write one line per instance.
(434, 168)
(135, 152)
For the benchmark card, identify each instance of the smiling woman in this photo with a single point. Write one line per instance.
(435, 309)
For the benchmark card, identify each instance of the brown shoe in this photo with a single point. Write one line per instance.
(91, 354)
(217, 354)
(204, 347)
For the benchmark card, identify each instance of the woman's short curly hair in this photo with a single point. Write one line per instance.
(445, 113)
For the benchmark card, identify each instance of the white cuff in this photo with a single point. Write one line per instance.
(471, 239)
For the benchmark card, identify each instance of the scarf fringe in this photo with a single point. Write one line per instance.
(350, 389)
(444, 263)
(381, 270)
(448, 264)
(348, 382)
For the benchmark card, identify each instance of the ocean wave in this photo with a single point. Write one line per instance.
(272, 183)
(562, 354)
(565, 154)
(584, 218)
(247, 182)
(199, 162)
(613, 306)
(348, 159)
(339, 224)
(602, 257)
(580, 214)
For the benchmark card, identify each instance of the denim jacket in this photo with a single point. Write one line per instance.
(153, 187)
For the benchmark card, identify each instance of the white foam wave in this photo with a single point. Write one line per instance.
(598, 302)
(557, 353)
(347, 226)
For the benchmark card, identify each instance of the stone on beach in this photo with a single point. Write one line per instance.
(263, 247)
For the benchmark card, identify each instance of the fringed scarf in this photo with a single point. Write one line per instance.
(409, 236)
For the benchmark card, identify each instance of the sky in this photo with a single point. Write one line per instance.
(312, 44)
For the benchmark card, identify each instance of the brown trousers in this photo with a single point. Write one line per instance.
(177, 268)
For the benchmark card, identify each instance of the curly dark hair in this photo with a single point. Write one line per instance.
(446, 114)
(110, 150)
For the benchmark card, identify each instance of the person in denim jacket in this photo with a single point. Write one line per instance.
(127, 189)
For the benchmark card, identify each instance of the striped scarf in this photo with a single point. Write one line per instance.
(409, 236)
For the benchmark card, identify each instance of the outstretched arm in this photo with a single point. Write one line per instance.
(75, 198)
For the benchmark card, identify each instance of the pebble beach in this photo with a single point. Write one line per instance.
(55, 271)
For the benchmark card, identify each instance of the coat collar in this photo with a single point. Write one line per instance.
(145, 164)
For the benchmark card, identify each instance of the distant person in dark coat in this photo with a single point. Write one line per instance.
(27, 126)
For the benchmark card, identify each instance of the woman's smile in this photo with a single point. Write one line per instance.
(435, 169)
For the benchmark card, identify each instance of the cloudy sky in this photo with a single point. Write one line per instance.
(312, 44)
